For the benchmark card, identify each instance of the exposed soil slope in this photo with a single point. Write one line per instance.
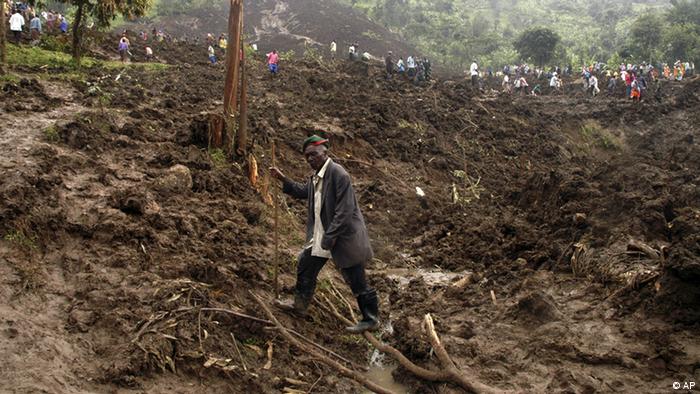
(119, 226)
(288, 25)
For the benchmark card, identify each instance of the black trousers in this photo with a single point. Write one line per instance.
(308, 268)
(17, 35)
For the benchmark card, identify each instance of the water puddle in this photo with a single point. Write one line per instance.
(381, 366)
(382, 376)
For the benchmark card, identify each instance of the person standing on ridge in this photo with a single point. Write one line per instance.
(612, 84)
(123, 48)
(389, 64)
(16, 25)
(593, 83)
(211, 54)
(401, 67)
(63, 26)
(555, 82)
(411, 64)
(334, 228)
(272, 60)
(50, 20)
(629, 77)
(223, 42)
(474, 72)
(507, 87)
(334, 49)
(35, 28)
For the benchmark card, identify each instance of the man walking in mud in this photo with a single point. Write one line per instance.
(272, 60)
(389, 64)
(334, 228)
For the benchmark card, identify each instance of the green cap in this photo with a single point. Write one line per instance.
(314, 140)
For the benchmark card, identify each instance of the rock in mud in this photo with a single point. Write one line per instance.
(535, 308)
(82, 319)
(177, 179)
(135, 202)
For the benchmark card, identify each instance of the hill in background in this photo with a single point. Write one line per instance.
(283, 25)
(456, 31)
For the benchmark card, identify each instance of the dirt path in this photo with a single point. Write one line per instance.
(21, 131)
(39, 355)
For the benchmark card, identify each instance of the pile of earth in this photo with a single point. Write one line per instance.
(563, 222)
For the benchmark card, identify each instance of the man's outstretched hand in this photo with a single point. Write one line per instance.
(276, 173)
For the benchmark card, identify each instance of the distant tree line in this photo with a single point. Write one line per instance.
(498, 32)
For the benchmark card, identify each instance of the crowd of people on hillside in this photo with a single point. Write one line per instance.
(635, 77)
(145, 39)
(414, 68)
(23, 17)
(519, 79)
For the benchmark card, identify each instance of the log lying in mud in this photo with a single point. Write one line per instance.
(356, 376)
(449, 372)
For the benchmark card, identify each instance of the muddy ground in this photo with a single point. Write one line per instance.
(556, 247)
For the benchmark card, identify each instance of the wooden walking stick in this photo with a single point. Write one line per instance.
(276, 229)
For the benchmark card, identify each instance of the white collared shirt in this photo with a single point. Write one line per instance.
(16, 22)
(315, 242)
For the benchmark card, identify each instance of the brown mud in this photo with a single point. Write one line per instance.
(556, 247)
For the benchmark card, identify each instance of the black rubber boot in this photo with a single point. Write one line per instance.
(298, 306)
(369, 306)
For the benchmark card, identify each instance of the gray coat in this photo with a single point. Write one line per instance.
(340, 216)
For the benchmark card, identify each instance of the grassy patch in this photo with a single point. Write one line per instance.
(371, 35)
(417, 126)
(355, 340)
(218, 157)
(9, 78)
(51, 134)
(38, 57)
(324, 284)
(286, 56)
(253, 341)
(29, 269)
(19, 238)
(596, 136)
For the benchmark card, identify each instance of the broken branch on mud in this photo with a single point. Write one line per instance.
(450, 373)
(297, 334)
(320, 356)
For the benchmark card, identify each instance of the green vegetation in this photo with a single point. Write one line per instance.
(372, 35)
(287, 56)
(312, 54)
(324, 284)
(218, 157)
(103, 13)
(594, 135)
(454, 32)
(55, 43)
(404, 124)
(253, 341)
(19, 238)
(537, 45)
(38, 57)
(51, 133)
(9, 78)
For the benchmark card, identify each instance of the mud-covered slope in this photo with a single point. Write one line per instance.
(120, 229)
(287, 25)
